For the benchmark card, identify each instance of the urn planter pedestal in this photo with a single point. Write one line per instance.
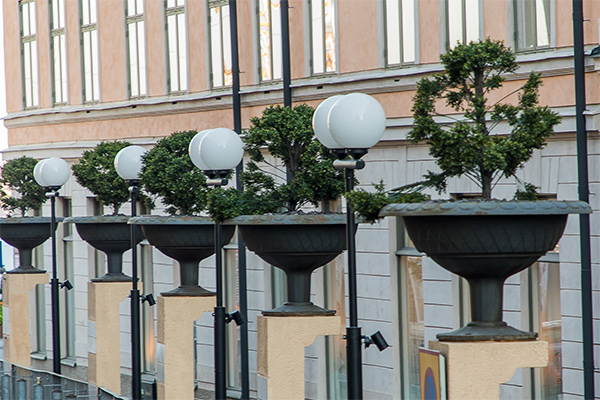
(25, 234)
(298, 244)
(186, 239)
(485, 242)
(112, 235)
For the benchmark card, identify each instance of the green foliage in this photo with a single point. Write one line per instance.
(1, 313)
(17, 175)
(529, 192)
(96, 171)
(470, 147)
(287, 135)
(368, 204)
(168, 172)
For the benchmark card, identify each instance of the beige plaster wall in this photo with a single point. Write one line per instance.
(197, 45)
(155, 48)
(74, 60)
(358, 35)
(111, 37)
(12, 56)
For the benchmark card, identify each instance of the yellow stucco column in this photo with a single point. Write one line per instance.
(281, 343)
(17, 331)
(104, 349)
(475, 370)
(175, 337)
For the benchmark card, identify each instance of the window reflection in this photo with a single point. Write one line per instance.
(323, 36)
(220, 44)
(30, 57)
(269, 16)
(532, 20)
(136, 48)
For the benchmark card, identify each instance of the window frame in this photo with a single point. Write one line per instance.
(91, 29)
(31, 94)
(141, 67)
(464, 29)
(311, 38)
(60, 72)
(273, 44)
(401, 40)
(182, 68)
(517, 31)
(225, 52)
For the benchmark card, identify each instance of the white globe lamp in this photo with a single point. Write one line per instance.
(194, 150)
(128, 162)
(356, 121)
(37, 173)
(52, 172)
(221, 149)
(319, 123)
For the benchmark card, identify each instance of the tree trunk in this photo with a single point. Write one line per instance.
(486, 184)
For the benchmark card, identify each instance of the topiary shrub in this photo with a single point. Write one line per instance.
(168, 172)
(287, 135)
(96, 171)
(17, 175)
(472, 146)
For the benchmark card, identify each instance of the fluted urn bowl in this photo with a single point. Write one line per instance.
(111, 235)
(25, 234)
(186, 239)
(485, 242)
(298, 244)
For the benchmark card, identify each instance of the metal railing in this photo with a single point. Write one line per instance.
(20, 383)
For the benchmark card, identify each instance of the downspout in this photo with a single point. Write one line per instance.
(583, 188)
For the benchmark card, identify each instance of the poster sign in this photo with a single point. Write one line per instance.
(432, 372)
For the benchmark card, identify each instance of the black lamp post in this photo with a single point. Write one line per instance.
(217, 152)
(128, 163)
(51, 174)
(349, 125)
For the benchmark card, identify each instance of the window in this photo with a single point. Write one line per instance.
(59, 52)
(31, 96)
(412, 310)
(271, 58)
(322, 32)
(148, 333)
(532, 24)
(68, 306)
(463, 21)
(136, 48)
(232, 302)
(220, 43)
(545, 318)
(177, 45)
(89, 44)
(400, 31)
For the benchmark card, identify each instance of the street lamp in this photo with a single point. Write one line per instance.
(349, 125)
(128, 163)
(217, 152)
(51, 174)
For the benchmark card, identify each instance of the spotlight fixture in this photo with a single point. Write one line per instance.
(66, 284)
(149, 298)
(235, 316)
(378, 340)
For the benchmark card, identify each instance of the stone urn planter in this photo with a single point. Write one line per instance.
(298, 244)
(112, 235)
(485, 242)
(186, 239)
(25, 234)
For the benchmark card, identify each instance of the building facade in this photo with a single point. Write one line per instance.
(83, 71)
